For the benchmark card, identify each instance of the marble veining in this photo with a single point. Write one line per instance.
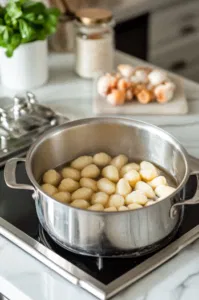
(23, 277)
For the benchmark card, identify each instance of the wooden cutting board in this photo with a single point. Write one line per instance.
(177, 106)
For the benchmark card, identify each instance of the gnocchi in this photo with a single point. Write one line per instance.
(110, 209)
(145, 188)
(129, 167)
(49, 189)
(100, 197)
(146, 165)
(122, 208)
(123, 187)
(132, 177)
(71, 173)
(150, 202)
(136, 197)
(89, 183)
(80, 203)
(106, 186)
(119, 161)
(96, 207)
(103, 183)
(101, 159)
(81, 162)
(164, 190)
(52, 177)
(90, 171)
(82, 193)
(134, 206)
(116, 201)
(111, 173)
(62, 197)
(148, 174)
(68, 185)
(160, 180)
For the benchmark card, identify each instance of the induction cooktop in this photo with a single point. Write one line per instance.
(103, 277)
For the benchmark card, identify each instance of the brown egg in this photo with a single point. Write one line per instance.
(123, 84)
(164, 92)
(129, 95)
(116, 97)
(138, 88)
(113, 82)
(144, 96)
(118, 75)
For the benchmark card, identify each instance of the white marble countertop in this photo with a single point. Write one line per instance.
(23, 277)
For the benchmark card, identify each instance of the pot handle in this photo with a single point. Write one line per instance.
(10, 175)
(194, 166)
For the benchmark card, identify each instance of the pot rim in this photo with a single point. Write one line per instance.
(109, 119)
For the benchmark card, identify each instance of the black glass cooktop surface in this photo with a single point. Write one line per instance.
(18, 208)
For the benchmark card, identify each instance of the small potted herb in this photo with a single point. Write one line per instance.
(24, 28)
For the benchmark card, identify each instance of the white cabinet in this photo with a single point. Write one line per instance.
(174, 22)
(179, 55)
(173, 37)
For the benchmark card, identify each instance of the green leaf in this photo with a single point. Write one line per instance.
(40, 19)
(7, 34)
(11, 21)
(33, 18)
(52, 19)
(2, 11)
(7, 19)
(27, 32)
(15, 40)
(41, 34)
(33, 7)
(2, 28)
(29, 17)
(13, 9)
(9, 51)
(2, 43)
(50, 29)
(15, 23)
(53, 11)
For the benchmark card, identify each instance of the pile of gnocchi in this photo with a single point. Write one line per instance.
(103, 183)
(141, 83)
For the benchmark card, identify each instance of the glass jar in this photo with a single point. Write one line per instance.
(94, 49)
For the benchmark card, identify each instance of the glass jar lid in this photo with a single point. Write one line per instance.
(93, 16)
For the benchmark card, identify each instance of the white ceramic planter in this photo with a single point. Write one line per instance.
(27, 68)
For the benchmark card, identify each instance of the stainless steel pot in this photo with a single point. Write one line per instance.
(107, 233)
